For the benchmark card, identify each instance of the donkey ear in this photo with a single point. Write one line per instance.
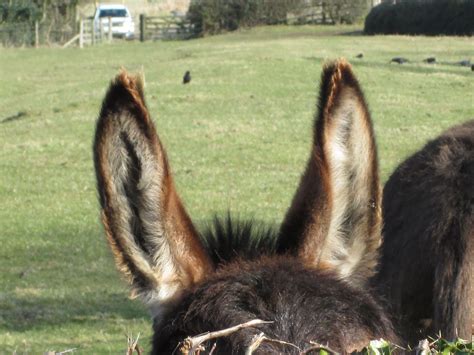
(334, 220)
(153, 239)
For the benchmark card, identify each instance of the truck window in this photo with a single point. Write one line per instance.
(113, 13)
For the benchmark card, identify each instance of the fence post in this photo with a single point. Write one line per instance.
(81, 34)
(101, 31)
(323, 10)
(142, 27)
(36, 34)
(110, 30)
(93, 34)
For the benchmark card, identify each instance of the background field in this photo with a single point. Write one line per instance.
(238, 137)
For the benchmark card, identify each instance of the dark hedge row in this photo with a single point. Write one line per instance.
(422, 17)
(215, 16)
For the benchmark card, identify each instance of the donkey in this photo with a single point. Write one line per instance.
(310, 280)
(427, 255)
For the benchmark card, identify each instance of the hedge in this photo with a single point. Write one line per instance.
(422, 17)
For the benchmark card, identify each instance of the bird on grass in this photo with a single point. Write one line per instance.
(187, 77)
(399, 60)
(430, 60)
(360, 55)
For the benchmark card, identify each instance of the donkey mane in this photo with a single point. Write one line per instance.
(227, 238)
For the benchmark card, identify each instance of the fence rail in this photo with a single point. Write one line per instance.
(37, 34)
(311, 16)
(91, 33)
(26, 34)
(165, 28)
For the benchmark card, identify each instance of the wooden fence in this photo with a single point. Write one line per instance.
(91, 34)
(173, 27)
(309, 16)
(27, 34)
(151, 28)
(178, 28)
(164, 28)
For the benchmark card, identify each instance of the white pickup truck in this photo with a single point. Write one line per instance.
(121, 19)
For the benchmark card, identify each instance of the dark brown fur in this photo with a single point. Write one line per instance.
(426, 266)
(304, 304)
(310, 282)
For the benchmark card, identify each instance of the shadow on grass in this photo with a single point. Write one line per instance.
(59, 275)
(445, 68)
(24, 313)
(352, 33)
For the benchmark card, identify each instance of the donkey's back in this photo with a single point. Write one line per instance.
(426, 265)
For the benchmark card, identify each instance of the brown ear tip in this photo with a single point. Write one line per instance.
(338, 69)
(340, 64)
(336, 76)
(125, 91)
(124, 78)
(131, 82)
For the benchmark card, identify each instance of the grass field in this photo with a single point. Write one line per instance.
(238, 138)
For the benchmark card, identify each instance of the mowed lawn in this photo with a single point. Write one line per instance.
(238, 137)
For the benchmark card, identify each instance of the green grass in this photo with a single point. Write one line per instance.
(238, 137)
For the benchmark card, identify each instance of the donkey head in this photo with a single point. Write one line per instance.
(311, 287)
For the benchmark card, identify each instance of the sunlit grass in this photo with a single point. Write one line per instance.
(238, 138)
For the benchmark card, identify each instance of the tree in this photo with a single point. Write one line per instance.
(56, 19)
(346, 11)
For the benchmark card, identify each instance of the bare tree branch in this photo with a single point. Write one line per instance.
(133, 345)
(260, 338)
(191, 344)
(316, 346)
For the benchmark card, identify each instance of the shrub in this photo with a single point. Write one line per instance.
(18, 11)
(56, 20)
(17, 22)
(346, 11)
(215, 16)
(427, 17)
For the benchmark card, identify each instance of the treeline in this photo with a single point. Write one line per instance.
(216, 16)
(55, 18)
(422, 17)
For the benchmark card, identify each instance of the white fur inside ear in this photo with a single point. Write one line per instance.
(154, 258)
(160, 301)
(349, 148)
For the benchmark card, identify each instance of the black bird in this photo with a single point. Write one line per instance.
(187, 77)
(399, 60)
(472, 67)
(360, 55)
(465, 63)
(430, 60)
